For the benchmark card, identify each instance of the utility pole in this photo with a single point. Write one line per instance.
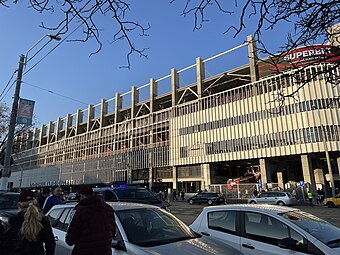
(11, 130)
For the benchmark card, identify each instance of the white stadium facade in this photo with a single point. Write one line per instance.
(228, 126)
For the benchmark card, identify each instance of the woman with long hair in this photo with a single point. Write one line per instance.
(29, 232)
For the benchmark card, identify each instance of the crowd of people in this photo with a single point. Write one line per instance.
(29, 232)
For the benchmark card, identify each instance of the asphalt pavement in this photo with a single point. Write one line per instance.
(187, 213)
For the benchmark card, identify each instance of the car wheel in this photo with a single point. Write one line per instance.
(191, 201)
(210, 202)
(280, 203)
(330, 204)
(252, 202)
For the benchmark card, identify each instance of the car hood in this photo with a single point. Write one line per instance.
(197, 246)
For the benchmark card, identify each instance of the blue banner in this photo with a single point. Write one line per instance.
(25, 111)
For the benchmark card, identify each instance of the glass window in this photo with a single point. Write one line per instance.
(54, 215)
(264, 228)
(223, 221)
(64, 220)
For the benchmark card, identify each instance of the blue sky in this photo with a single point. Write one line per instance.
(70, 71)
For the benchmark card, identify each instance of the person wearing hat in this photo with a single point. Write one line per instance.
(93, 226)
(29, 232)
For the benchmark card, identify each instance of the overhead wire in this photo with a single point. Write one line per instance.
(3, 94)
(52, 92)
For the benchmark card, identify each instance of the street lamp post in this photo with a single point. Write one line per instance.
(328, 160)
(8, 152)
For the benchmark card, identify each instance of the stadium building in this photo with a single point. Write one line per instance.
(233, 126)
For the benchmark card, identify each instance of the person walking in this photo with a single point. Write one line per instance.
(182, 194)
(54, 199)
(93, 226)
(174, 195)
(46, 192)
(29, 232)
(310, 197)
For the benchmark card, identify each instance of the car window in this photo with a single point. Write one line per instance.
(54, 215)
(9, 201)
(315, 226)
(273, 194)
(110, 196)
(263, 195)
(281, 194)
(63, 221)
(264, 228)
(147, 227)
(224, 221)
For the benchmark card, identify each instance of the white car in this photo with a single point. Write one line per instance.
(142, 229)
(274, 198)
(268, 229)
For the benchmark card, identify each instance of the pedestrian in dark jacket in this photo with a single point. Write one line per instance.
(54, 199)
(42, 197)
(93, 226)
(29, 232)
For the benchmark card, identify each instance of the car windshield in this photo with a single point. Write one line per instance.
(137, 194)
(320, 229)
(148, 227)
(9, 201)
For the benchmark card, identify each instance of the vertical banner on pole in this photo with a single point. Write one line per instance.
(25, 111)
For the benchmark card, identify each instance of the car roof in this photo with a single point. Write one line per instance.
(120, 188)
(117, 206)
(9, 193)
(274, 209)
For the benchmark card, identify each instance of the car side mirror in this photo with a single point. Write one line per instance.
(287, 243)
(118, 245)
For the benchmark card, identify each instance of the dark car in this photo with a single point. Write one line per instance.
(8, 206)
(132, 194)
(207, 197)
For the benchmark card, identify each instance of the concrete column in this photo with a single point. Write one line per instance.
(253, 57)
(153, 94)
(103, 112)
(206, 181)
(308, 173)
(90, 117)
(79, 118)
(280, 179)
(174, 86)
(58, 128)
(49, 131)
(35, 132)
(118, 107)
(200, 74)
(174, 177)
(265, 172)
(68, 124)
(319, 176)
(42, 134)
(134, 101)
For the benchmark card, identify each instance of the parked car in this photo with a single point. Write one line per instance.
(332, 202)
(274, 198)
(268, 229)
(206, 197)
(142, 229)
(8, 205)
(132, 194)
